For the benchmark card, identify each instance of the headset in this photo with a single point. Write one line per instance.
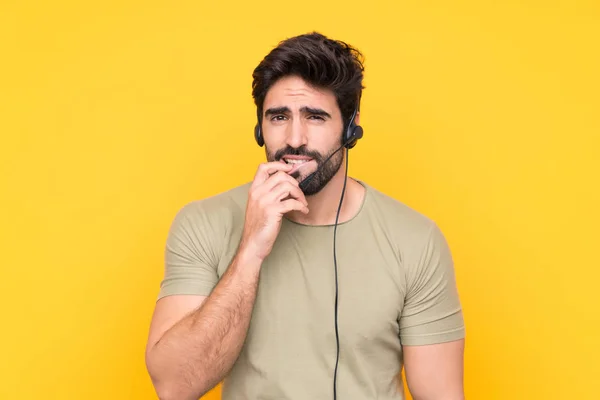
(350, 135)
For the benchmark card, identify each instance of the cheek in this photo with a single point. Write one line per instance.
(324, 137)
(274, 136)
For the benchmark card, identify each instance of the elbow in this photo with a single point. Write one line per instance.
(171, 390)
(172, 383)
(169, 386)
(164, 392)
(165, 389)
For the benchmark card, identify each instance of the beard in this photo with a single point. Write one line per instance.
(324, 172)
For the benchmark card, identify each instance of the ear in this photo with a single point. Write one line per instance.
(357, 118)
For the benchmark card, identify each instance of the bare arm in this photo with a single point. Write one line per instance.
(432, 324)
(197, 352)
(194, 341)
(435, 372)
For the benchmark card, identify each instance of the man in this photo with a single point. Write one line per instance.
(285, 289)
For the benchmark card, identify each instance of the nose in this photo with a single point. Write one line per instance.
(296, 134)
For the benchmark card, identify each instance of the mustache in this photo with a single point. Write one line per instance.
(300, 151)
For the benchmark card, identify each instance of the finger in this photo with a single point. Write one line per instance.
(286, 190)
(291, 205)
(277, 178)
(266, 187)
(264, 190)
(265, 170)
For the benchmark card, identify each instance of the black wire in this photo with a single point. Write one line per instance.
(337, 337)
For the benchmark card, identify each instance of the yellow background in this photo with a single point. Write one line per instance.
(483, 115)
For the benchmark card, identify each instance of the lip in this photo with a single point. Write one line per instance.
(290, 157)
(297, 166)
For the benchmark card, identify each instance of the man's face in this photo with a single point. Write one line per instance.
(303, 125)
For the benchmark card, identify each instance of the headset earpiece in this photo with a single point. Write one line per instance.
(258, 135)
(353, 132)
(258, 130)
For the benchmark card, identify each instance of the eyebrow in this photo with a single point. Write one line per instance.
(315, 111)
(276, 110)
(305, 109)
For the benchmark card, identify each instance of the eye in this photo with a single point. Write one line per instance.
(278, 117)
(317, 117)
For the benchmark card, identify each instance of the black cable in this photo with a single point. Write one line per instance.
(337, 337)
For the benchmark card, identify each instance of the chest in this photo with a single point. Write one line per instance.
(297, 289)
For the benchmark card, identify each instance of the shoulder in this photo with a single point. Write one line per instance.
(420, 243)
(417, 238)
(217, 212)
(407, 223)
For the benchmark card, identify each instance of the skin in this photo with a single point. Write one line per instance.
(194, 340)
(299, 127)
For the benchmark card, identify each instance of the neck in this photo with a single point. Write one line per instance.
(323, 206)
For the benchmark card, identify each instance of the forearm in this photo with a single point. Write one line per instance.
(197, 352)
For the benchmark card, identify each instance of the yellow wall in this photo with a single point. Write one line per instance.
(482, 115)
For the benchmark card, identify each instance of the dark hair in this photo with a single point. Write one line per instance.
(321, 62)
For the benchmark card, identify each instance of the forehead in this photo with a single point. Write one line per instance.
(295, 93)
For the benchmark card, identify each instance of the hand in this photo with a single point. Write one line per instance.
(272, 194)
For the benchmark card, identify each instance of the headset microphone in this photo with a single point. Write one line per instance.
(304, 184)
(350, 136)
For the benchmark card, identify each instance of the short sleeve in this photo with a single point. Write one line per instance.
(432, 310)
(190, 254)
